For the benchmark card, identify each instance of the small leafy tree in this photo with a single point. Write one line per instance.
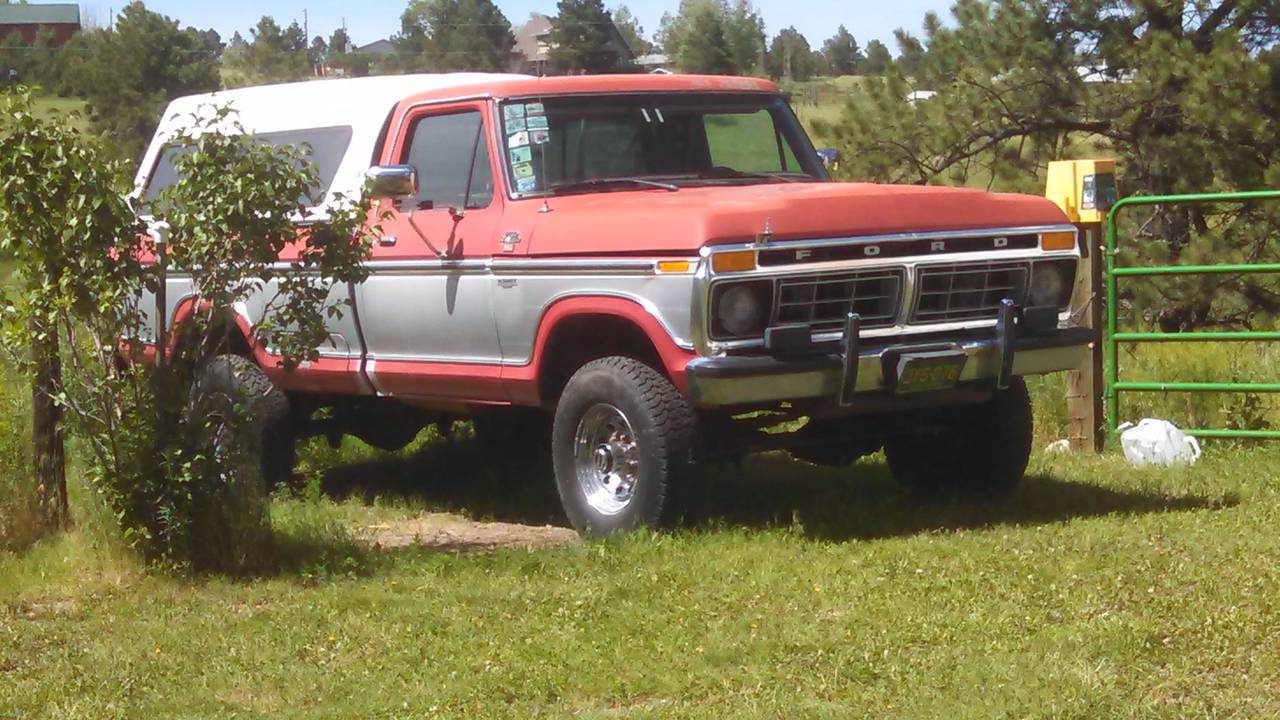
(234, 215)
(62, 218)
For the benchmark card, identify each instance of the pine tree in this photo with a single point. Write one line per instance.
(877, 59)
(632, 33)
(582, 39)
(451, 35)
(707, 49)
(790, 57)
(1180, 92)
(842, 53)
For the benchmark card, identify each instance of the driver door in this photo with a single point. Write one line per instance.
(426, 309)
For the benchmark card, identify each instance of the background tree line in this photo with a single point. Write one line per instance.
(129, 71)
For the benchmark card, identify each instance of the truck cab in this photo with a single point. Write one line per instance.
(645, 271)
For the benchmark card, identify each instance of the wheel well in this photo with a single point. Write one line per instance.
(231, 339)
(580, 339)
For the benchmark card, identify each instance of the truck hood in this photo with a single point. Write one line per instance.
(655, 221)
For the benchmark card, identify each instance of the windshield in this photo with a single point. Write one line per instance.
(591, 142)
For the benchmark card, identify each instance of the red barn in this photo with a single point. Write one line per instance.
(62, 19)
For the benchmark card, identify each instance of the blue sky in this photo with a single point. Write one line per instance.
(373, 19)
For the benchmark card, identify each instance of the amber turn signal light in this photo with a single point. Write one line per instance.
(736, 261)
(1058, 241)
(673, 266)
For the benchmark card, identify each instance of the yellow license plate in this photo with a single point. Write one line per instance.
(922, 372)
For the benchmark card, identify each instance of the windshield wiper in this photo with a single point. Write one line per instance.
(594, 183)
(724, 173)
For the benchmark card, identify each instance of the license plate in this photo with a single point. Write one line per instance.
(922, 372)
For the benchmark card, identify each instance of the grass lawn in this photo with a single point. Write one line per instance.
(50, 106)
(1098, 591)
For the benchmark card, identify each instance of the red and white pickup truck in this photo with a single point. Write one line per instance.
(645, 264)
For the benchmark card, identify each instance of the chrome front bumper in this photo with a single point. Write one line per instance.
(759, 380)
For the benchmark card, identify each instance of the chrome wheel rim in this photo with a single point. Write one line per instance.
(606, 459)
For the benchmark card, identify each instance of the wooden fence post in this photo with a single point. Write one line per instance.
(1085, 430)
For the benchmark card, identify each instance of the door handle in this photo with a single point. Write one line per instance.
(387, 240)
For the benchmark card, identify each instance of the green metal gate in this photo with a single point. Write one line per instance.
(1113, 385)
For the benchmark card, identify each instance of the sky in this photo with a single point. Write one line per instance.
(370, 20)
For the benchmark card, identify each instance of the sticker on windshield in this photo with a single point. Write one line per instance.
(514, 124)
(512, 112)
(540, 137)
(528, 184)
(536, 122)
(534, 109)
(522, 171)
(519, 139)
(521, 155)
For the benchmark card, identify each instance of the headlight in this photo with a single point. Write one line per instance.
(1051, 283)
(740, 310)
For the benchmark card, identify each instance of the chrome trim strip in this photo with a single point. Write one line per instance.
(894, 237)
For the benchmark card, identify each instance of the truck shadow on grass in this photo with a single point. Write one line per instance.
(767, 491)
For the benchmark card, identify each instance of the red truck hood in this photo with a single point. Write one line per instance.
(654, 221)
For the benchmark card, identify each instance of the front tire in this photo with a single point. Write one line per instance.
(982, 451)
(621, 442)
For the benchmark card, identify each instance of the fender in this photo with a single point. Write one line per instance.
(522, 380)
(324, 374)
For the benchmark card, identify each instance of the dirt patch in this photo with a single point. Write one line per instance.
(450, 533)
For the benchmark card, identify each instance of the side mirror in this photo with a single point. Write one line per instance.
(392, 181)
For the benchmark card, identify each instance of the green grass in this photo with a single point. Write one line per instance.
(50, 106)
(1098, 591)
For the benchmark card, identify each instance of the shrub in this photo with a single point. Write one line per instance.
(20, 522)
(84, 265)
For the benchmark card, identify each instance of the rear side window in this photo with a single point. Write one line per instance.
(452, 160)
(325, 146)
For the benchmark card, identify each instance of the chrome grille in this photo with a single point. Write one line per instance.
(949, 293)
(824, 301)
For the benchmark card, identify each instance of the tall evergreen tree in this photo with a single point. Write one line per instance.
(790, 57)
(843, 56)
(274, 55)
(632, 33)
(740, 27)
(877, 60)
(706, 49)
(449, 35)
(581, 39)
(744, 32)
(131, 72)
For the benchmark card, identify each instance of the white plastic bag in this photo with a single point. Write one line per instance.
(1157, 442)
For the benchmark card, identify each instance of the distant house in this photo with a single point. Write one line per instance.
(379, 48)
(62, 19)
(533, 46)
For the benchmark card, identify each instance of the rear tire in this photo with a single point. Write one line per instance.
(982, 452)
(622, 442)
(237, 380)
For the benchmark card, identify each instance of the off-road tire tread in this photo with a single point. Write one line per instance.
(268, 410)
(674, 425)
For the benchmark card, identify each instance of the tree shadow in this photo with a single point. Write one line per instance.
(828, 504)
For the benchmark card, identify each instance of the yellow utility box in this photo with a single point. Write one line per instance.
(1084, 189)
